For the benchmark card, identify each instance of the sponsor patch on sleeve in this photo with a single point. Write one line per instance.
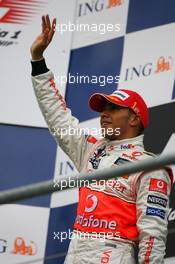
(158, 186)
(155, 212)
(153, 199)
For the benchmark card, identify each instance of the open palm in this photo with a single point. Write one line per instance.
(44, 39)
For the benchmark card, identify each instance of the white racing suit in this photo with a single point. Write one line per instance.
(112, 216)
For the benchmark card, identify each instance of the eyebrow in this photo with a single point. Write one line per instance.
(113, 105)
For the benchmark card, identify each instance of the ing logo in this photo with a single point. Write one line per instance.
(113, 3)
(20, 247)
(88, 7)
(164, 64)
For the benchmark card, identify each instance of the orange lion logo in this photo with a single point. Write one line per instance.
(163, 64)
(21, 248)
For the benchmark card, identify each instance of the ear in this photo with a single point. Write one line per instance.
(134, 121)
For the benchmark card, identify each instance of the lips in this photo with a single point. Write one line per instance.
(105, 123)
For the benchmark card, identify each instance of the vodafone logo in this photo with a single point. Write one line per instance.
(158, 186)
(19, 12)
(91, 202)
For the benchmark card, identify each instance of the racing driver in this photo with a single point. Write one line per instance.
(123, 213)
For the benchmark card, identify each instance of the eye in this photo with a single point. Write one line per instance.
(111, 107)
(114, 107)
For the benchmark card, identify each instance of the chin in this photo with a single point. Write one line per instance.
(110, 137)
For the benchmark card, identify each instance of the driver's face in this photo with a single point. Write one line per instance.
(114, 121)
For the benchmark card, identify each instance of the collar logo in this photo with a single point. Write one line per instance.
(133, 156)
(127, 146)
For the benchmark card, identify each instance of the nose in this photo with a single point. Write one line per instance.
(105, 116)
(104, 113)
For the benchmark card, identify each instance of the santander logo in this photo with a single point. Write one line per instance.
(19, 11)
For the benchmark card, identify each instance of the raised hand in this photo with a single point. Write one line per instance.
(43, 40)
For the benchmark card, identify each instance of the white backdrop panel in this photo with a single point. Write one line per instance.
(17, 101)
(142, 50)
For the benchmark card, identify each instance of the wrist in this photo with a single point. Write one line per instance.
(37, 57)
(39, 67)
(35, 60)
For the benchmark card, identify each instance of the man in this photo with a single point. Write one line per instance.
(116, 216)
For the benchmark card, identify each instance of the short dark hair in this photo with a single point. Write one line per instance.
(141, 129)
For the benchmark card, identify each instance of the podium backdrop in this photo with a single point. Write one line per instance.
(140, 51)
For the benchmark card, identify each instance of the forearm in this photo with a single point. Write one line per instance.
(57, 116)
